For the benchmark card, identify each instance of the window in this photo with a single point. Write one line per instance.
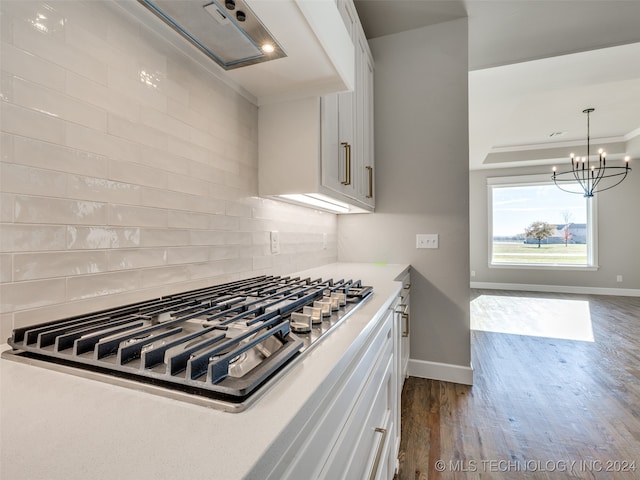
(532, 223)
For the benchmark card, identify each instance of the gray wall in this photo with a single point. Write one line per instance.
(618, 237)
(422, 171)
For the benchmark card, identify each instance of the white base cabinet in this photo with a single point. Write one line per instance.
(353, 433)
(402, 331)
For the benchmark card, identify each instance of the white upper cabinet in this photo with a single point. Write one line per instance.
(318, 150)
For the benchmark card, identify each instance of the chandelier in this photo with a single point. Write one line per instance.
(591, 175)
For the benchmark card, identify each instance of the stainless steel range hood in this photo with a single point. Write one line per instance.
(227, 31)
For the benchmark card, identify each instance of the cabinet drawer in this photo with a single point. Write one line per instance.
(367, 434)
(314, 443)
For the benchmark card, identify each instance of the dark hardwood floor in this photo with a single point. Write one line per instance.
(540, 407)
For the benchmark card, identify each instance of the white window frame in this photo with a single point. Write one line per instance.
(533, 180)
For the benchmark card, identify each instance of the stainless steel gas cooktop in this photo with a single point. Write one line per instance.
(218, 346)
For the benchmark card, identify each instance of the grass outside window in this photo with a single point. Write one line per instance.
(556, 254)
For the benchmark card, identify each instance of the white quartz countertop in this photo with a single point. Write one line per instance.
(57, 426)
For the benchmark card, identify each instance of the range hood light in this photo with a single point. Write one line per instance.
(230, 33)
(268, 48)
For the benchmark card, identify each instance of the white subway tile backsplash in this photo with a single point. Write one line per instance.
(184, 255)
(136, 174)
(163, 237)
(140, 86)
(155, 197)
(7, 207)
(137, 216)
(128, 171)
(33, 266)
(223, 222)
(136, 132)
(129, 258)
(24, 295)
(164, 123)
(88, 33)
(156, 277)
(30, 123)
(47, 210)
(89, 286)
(6, 267)
(100, 143)
(32, 181)
(206, 237)
(59, 105)
(26, 65)
(6, 31)
(31, 238)
(236, 209)
(181, 219)
(6, 326)
(223, 252)
(6, 87)
(53, 49)
(86, 238)
(7, 148)
(103, 190)
(99, 95)
(190, 185)
(205, 270)
(180, 148)
(43, 18)
(56, 157)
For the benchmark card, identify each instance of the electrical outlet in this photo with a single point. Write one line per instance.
(427, 240)
(275, 242)
(324, 241)
(473, 273)
(619, 278)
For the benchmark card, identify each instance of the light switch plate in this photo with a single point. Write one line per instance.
(427, 240)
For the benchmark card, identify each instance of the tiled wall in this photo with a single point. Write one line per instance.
(128, 171)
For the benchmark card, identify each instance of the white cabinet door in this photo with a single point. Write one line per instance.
(338, 143)
(365, 123)
(364, 446)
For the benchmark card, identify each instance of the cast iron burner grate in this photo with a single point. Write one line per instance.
(222, 342)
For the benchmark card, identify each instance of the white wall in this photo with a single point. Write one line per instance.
(422, 186)
(128, 171)
(618, 234)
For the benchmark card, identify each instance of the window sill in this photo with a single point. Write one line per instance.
(528, 266)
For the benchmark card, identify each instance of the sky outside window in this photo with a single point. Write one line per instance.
(515, 208)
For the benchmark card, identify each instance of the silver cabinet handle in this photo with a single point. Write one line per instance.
(403, 311)
(406, 317)
(370, 170)
(347, 163)
(407, 286)
(376, 463)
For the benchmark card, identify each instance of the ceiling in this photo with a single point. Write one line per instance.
(534, 65)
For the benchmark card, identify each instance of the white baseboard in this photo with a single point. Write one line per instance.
(446, 372)
(623, 292)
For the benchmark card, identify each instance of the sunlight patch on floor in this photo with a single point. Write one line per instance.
(538, 317)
